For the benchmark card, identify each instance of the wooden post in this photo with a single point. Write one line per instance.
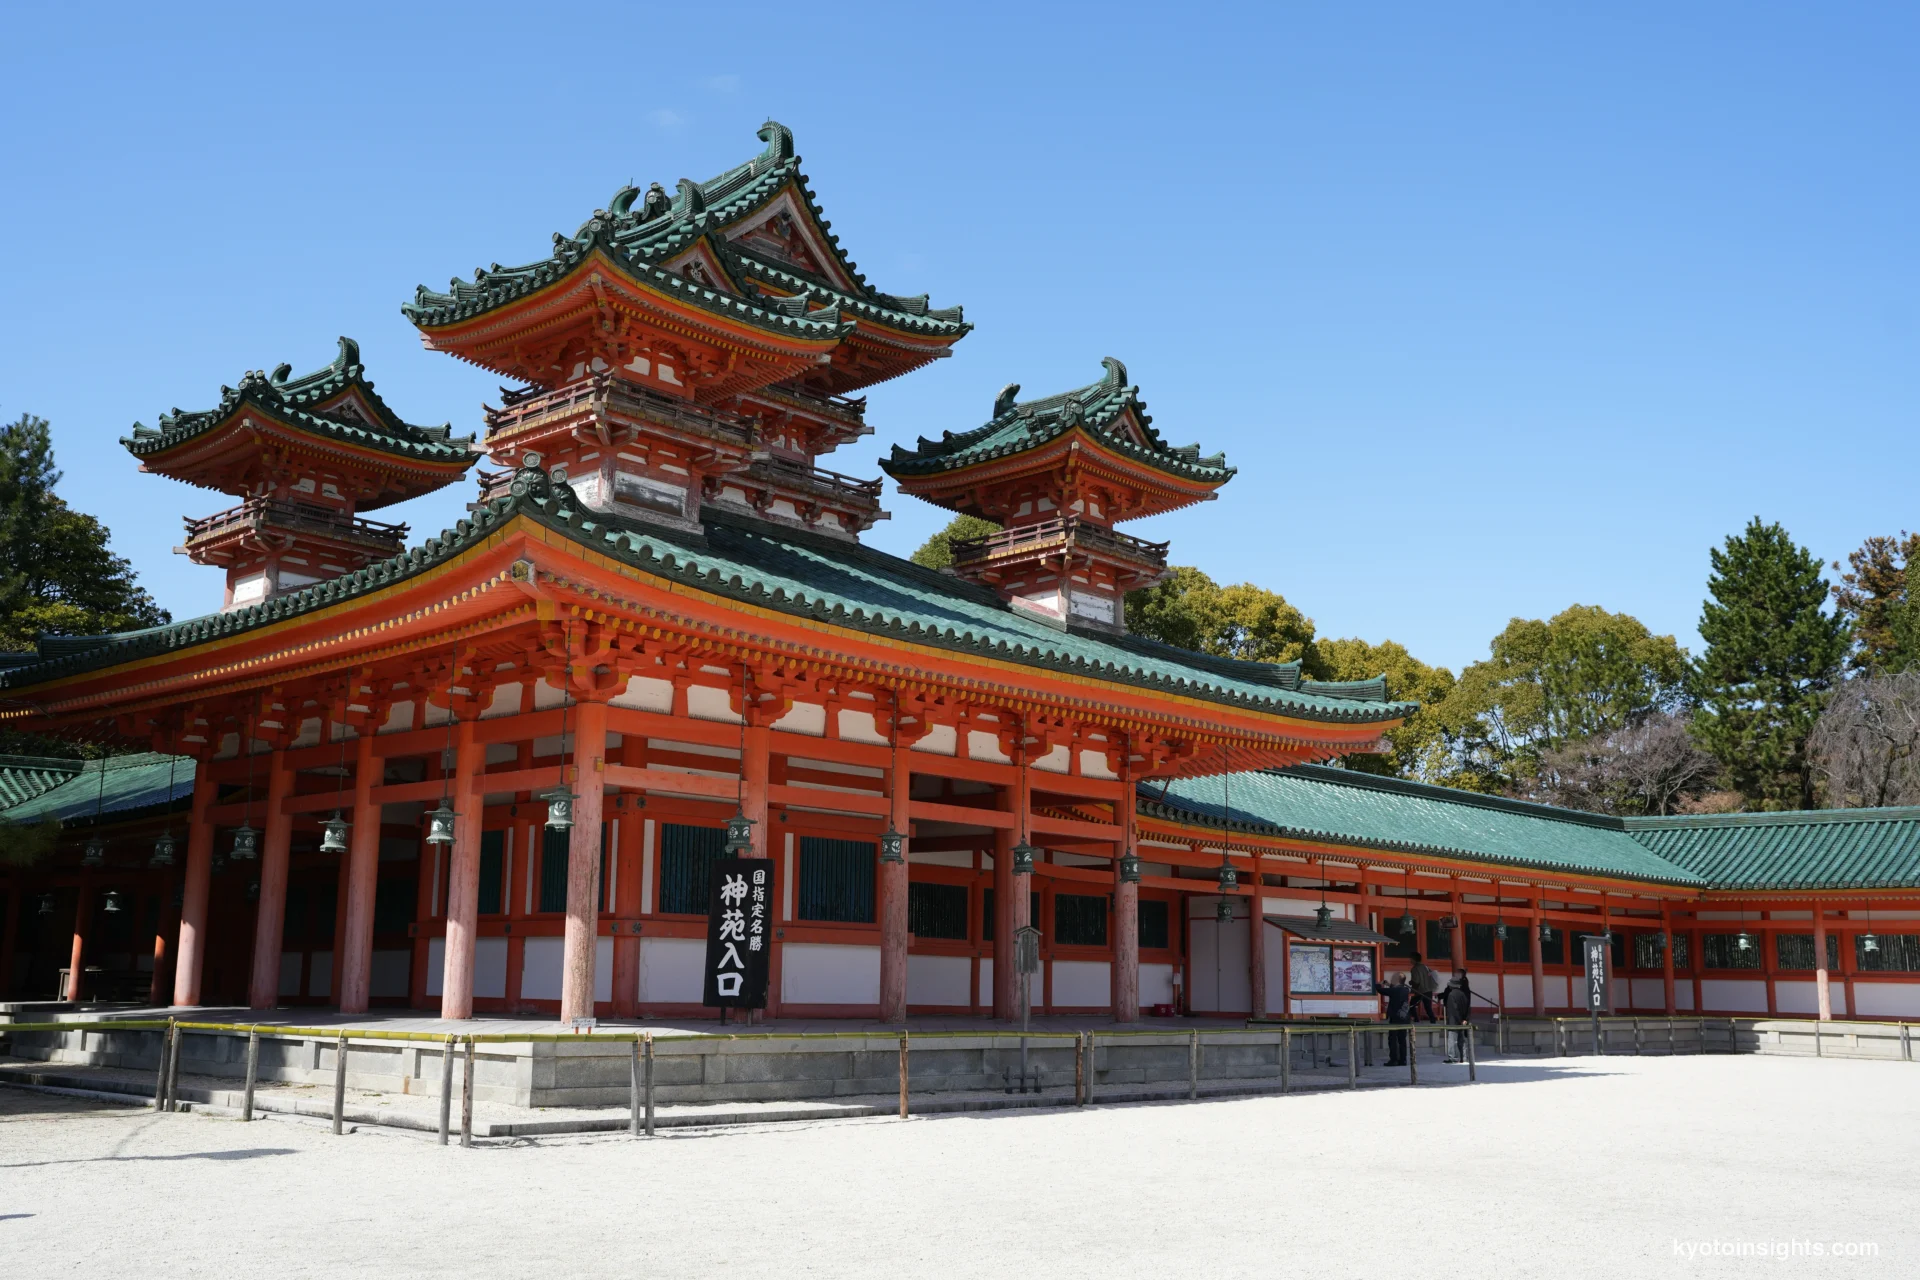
(1011, 903)
(1823, 996)
(1257, 941)
(649, 1083)
(1413, 1054)
(1193, 1065)
(363, 877)
(446, 1089)
(892, 877)
(1457, 936)
(159, 989)
(903, 1075)
(339, 1081)
(190, 951)
(633, 1090)
(583, 863)
(173, 1068)
(466, 1097)
(1767, 957)
(1125, 983)
(1286, 1059)
(1080, 1069)
(253, 1073)
(1536, 958)
(1666, 957)
(160, 1075)
(462, 907)
(756, 766)
(263, 988)
(82, 917)
(1473, 1066)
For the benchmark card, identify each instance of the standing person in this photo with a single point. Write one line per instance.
(1398, 997)
(1459, 1006)
(1425, 983)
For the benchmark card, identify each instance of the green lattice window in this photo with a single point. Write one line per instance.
(1895, 953)
(493, 852)
(937, 910)
(687, 856)
(1153, 923)
(1723, 951)
(836, 880)
(553, 869)
(1795, 951)
(1080, 919)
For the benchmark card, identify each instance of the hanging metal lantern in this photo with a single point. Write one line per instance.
(1228, 877)
(739, 835)
(45, 907)
(1869, 943)
(162, 851)
(217, 864)
(1024, 856)
(1323, 916)
(246, 843)
(1223, 910)
(890, 842)
(1546, 932)
(440, 825)
(1407, 927)
(334, 834)
(1743, 941)
(1130, 867)
(559, 807)
(110, 901)
(1500, 930)
(95, 853)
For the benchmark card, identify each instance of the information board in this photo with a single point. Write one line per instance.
(1309, 970)
(739, 907)
(1353, 971)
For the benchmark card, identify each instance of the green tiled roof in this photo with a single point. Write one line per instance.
(24, 777)
(640, 231)
(1823, 849)
(1338, 806)
(114, 785)
(801, 574)
(297, 400)
(1017, 426)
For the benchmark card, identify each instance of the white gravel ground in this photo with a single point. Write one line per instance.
(1567, 1169)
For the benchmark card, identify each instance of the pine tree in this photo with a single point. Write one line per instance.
(937, 552)
(1771, 659)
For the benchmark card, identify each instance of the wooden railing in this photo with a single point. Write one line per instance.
(618, 396)
(1063, 529)
(780, 472)
(256, 513)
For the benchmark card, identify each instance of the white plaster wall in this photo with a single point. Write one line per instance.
(644, 693)
(545, 696)
(986, 982)
(490, 968)
(671, 970)
(505, 702)
(1520, 992)
(1275, 966)
(1082, 984)
(1058, 760)
(1649, 995)
(1795, 997)
(1303, 907)
(1321, 1006)
(289, 973)
(858, 726)
(1556, 988)
(940, 857)
(940, 741)
(986, 746)
(399, 718)
(704, 702)
(809, 718)
(541, 968)
(939, 980)
(829, 973)
(436, 965)
(391, 973)
(1887, 999)
(1156, 985)
(1219, 969)
(1682, 995)
(1093, 764)
(1735, 995)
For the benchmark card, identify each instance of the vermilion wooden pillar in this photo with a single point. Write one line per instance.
(462, 908)
(165, 926)
(1256, 941)
(1537, 959)
(755, 764)
(582, 946)
(190, 952)
(276, 839)
(1456, 936)
(629, 857)
(893, 898)
(1006, 995)
(1125, 986)
(363, 879)
(82, 918)
(1822, 994)
(1666, 958)
(1767, 958)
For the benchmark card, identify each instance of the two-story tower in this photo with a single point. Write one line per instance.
(690, 348)
(1057, 474)
(306, 456)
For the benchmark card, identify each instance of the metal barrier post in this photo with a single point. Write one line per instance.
(466, 1097)
(1413, 1053)
(1090, 1049)
(1353, 1057)
(1286, 1059)
(1193, 1064)
(160, 1075)
(1906, 1043)
(1636, 1037)
(1079, 1068)
(649, 1084)
(253, 1073)
(1559, 1038)
(1819, 1048)
(903, 1075)
(173, 1070)
(446, 1089)
(633, 1089)
(1473, 1073)
(1672, 1048)
(339, 1081)
(1500, 1026)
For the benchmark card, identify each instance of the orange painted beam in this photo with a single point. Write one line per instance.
(931, 811)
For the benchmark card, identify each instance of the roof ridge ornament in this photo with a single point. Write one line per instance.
(1004, 402)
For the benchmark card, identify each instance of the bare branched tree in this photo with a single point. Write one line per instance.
(1866, 746)
(1647, 767)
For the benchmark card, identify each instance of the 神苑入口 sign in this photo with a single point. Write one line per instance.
(738, 910)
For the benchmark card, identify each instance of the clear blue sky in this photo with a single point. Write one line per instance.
(1496, 309)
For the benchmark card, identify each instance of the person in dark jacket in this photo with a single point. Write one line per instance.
(1399, 997)
(1459, 1005)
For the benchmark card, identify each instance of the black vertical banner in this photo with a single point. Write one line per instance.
(1596, 973)
(739, 933)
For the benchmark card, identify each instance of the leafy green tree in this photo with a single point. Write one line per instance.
(1874, 596)
(1771, 659)
(937, 552)
(1192, 611)
(57, 575)
(1581, 673)
(1420, 746)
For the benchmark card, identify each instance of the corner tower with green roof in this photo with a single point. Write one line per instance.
(1057, 474)
(700, 347)
(305, 455)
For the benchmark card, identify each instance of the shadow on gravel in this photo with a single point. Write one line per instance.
(248, 1153)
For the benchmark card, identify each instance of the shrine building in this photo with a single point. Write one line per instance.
(489, 772)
